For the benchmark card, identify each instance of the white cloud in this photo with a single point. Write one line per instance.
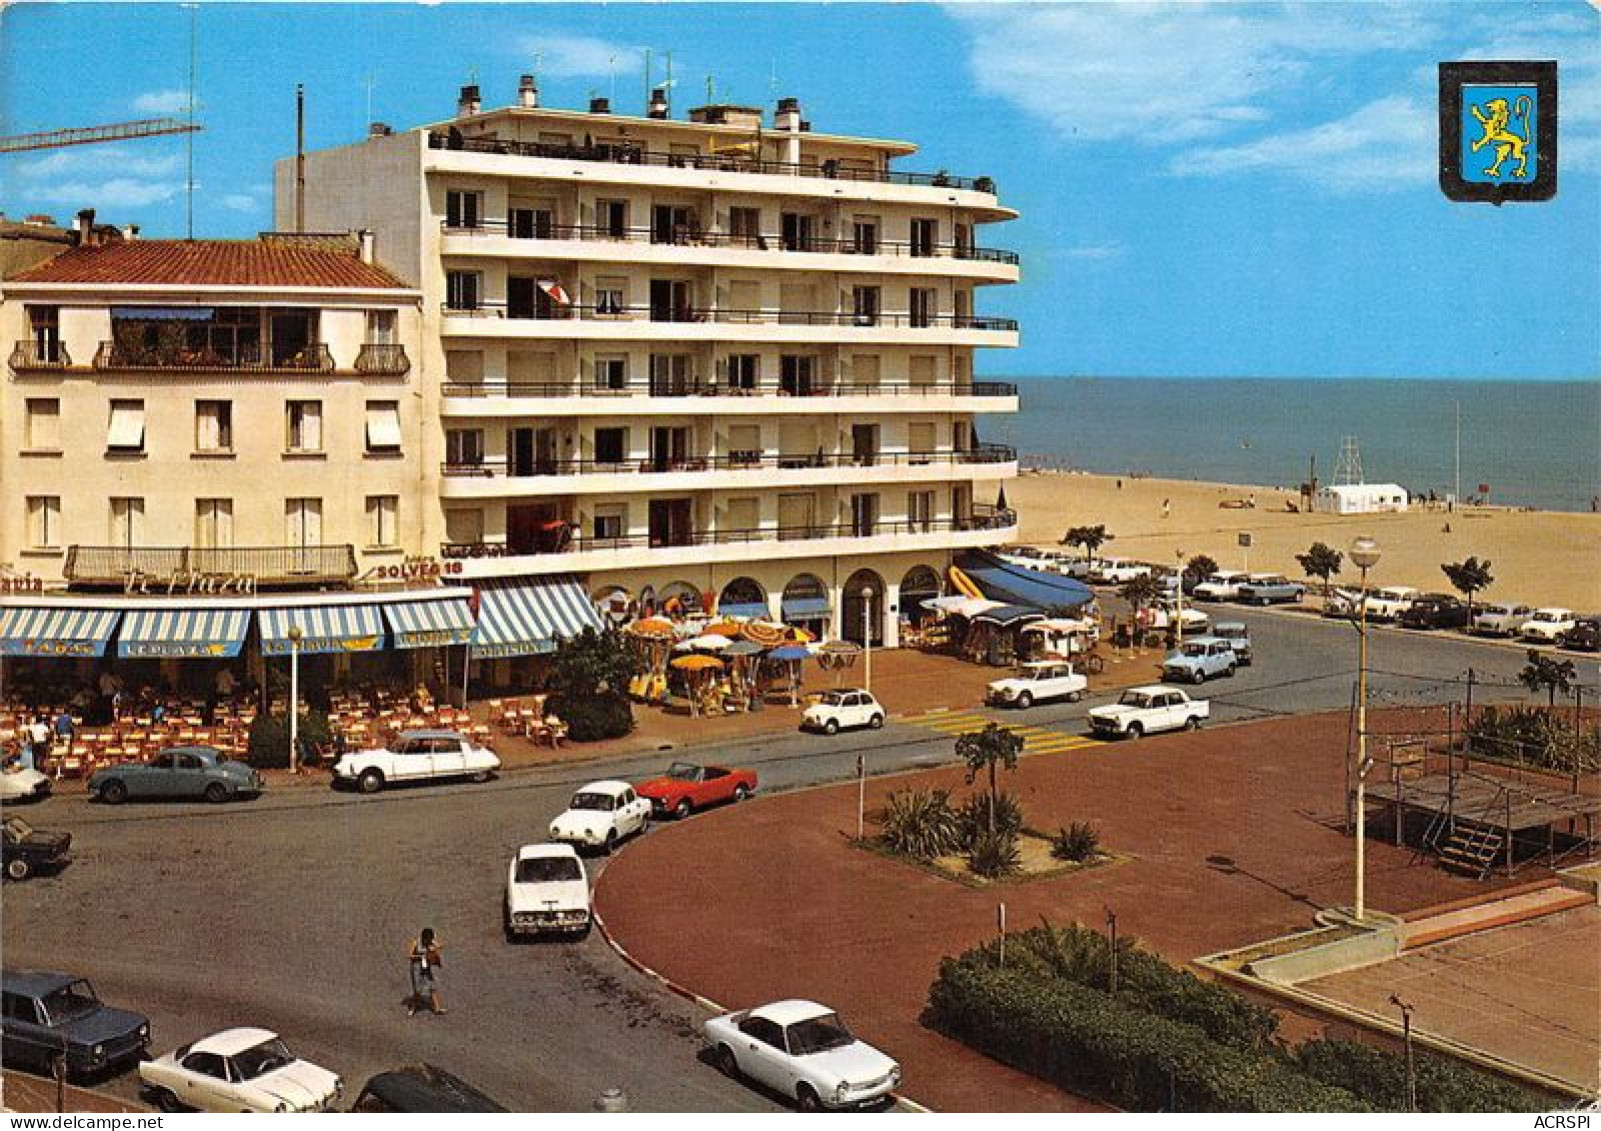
(100, 159)
(238, 202)
(117, 192)
(162, 102)
(1093, 251)
(576, 56)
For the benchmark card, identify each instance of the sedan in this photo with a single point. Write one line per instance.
(547, 892)
(1545, 626)
(416, 755)
(686, 787)
(1584, 636)
(600, 815)
(178, 772)
(239, 1070)
(1435, 610)
(1035, 682)
(802, 1050)
(29, 850)
(1269, 589)
(1500, 619)
(836, 710)
(19, 784)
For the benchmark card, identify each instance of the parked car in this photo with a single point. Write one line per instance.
(1388, 603)
(46, 1015)
(28, 850)
(239, 1071)
(802, 1049)
(19, 784)
(1160, 616)
(1148, 710)
(547, 892)
(177, 772)
(837, 710)
(1198, 660)
(1584, 636)
(1341, 603)
(1499, 619)
(1269, 589)
(423, 1088)
(1545, 626)
(686, 787)
(1239, 637)
(1035, 682)
(600, 815)
(1220, 586)
(1435, 610)
(1115, 571)
(416, 755)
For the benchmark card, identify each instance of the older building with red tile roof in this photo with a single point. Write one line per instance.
(270, 262)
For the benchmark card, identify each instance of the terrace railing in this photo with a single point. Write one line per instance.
(617, 312)
(31, 354)
(706, 387)
(313, 358)
(730, 461)
(177, 565)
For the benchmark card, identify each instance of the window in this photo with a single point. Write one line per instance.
(381, 327)
(611, 373)
(383, 512)
(611, 445)
(44, 424)
(127, 431)
(611, 295)
(213, 426)
(865, 305)
(44, 522)
(864, 515)
(924, 306)
(464, 447)
(207, 1064)
(127, 521)
(865, 369)
(925, 234)
(864, 235)
(611, 217)
(745, 371)
(920, 441)
(464, 208)
(920, 509)
(464, 527)
(745, 445)
(464, 367)
(610, 522)
(921, 370)
(303, 522)
(383, 427)
(213, 523)
(305, 426)
(464, 290)
(745, 226)
(45, 328)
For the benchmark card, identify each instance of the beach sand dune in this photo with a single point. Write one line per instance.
(1538, 557)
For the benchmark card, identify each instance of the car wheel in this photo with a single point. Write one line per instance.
(1025, 701)
(1074, 696)
(741, 793)
(370, 781)
(216, 793)
(1198, 676)
(808, 1097)
(683, 809)
(113, 792)
(1192, 723)
(165, 1100)
(480, 777)
(1135, 730)
(1228, 672)
(611, 841)
(876, 722)
(726, 1063)
(17, 869)
(831, 726)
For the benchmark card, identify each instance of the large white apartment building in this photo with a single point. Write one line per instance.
(720, 359)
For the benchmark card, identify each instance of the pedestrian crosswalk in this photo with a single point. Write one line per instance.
(1036, 739)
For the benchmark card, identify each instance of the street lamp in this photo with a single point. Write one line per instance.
(867, 638)
(1406, 1036)
(1178, 608)
(294, 698)
(1365, 554)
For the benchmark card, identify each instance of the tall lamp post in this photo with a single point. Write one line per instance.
(294, 698)
(1178, 606)
(1365, 553)
(867, 638)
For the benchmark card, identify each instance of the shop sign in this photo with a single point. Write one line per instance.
(51, 648)
(428, 638)
(187, 582)
(411, 571)
(174, 649)
(320, 644)
(21, 583)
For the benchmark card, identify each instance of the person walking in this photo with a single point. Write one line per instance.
(38, 744)
(425, 959)
(66, 731)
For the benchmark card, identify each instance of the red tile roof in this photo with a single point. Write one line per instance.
(245, 263)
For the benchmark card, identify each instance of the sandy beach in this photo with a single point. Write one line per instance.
(1538, 557)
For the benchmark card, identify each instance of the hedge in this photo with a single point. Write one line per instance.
(594, 717)
(1442, 1084)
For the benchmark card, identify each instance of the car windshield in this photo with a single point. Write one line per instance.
(1135, 699)
(263, 1058)
(72, 1000)
(1230, 633)
(683, 771)
(18, 829)
(818, 1034)
(1549, 617)
(833, 698)
(398, 745)
(601, 802)
(548, 870)
(1195, 649)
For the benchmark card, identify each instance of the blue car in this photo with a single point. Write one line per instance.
(194, 772)
(1198, 660)
(1269, 589)
(49, 1015)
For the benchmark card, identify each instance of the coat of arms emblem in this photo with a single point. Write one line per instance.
(1498, 136)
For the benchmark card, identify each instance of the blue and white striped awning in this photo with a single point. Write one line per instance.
(323, 628)
(427, 624)
(46, 631)
(753, 610)
(806, 608)
(204, 633)
(529, 616)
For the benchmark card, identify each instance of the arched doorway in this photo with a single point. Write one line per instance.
(679, 599)
(742, 597)
(806, 605)
(615, 605)
(920, 584)
(858, 613)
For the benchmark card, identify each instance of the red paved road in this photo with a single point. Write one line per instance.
(770, 900)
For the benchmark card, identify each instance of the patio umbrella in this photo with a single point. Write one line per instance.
(743, 648)
(798, 635)
(698, 663)
(728, 628)
(791, 653)
(839, 648)
(655, 628)
(709, 642)
(765, 633)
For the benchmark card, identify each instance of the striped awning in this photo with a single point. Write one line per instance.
(806, 608)
(427, 624)
(36, 631)
(527, 617)
(323, 628)
(755, 610)
(205, 633)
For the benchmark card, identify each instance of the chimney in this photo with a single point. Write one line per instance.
(528, 93)
(86, 227)
(368, 243)
(468, 105)
(600, 106)
(658, 103)
(378, 129)
(787, 118)
(131, 232)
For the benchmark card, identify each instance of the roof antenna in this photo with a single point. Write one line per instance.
(189, 195)
(669, 84)
(300, 157)
(647, 81)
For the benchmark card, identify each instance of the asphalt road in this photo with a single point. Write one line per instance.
(294, 911)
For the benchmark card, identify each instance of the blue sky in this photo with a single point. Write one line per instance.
(1206, 189)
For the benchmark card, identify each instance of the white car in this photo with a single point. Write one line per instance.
(1390, 602)
(1115, 571)
(1500, 618)
(23, 785)
(547, 892)
(1545, 625)
(239, 1070)
(1160, 616)
(416, 755)
(837, 710)
(1035, 682)
(1224, 585)
(1147, 710)
(600, 815)
(802, 1049)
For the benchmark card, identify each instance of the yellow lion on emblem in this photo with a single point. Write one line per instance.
(1498, 132)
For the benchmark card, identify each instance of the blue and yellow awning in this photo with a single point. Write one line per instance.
(47, 631)
(427, 624)
(323, 628)
(182, 633)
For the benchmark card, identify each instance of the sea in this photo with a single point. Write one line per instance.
(1525, 444)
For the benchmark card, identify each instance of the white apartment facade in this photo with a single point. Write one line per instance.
(712, 359)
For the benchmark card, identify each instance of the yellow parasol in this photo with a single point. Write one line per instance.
(765, 633)
(654, 628)
(698, 663)
(728, 628)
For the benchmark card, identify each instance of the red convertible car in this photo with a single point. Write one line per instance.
(687, 787)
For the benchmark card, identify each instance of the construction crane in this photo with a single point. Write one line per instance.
(88, 135)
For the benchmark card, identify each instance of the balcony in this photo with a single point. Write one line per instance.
(313, 358)
(699, 387)
(30, 356)
(194, 570)
(614, 313)
(733, 461)
(382, 360)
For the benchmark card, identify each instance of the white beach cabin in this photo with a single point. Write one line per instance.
(1360, 498)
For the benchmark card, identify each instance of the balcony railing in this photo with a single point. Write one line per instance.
(981, 519)
(32, 355)
(731, 461)
(192, 569)
(382, 360)
(628, 153)
(313, 358)
(681, 236)
(693, 387)
(614, 312)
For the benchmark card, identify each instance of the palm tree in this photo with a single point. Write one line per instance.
(1542, 673)
(990, 749)
(1468, 578)
(1091, 538)
(1321, 561)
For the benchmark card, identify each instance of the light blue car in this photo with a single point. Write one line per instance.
(1198, 660)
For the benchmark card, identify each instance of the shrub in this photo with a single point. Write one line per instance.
(1534, 736)
(592, 718)
(921, 823)
(974, 816)
(269, 739)
(994, 855)
(1380, 1076)
(1076, 843)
